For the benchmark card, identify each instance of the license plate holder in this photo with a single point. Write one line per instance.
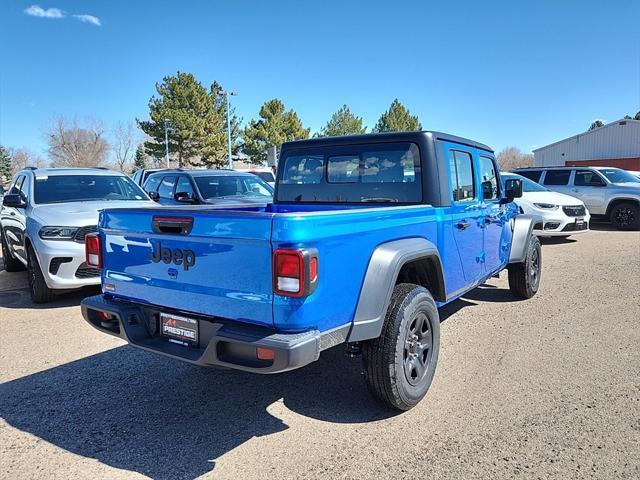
(179, 329)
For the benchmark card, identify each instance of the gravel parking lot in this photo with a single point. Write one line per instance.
(546, 388)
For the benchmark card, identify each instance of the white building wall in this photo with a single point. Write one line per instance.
(619, 139)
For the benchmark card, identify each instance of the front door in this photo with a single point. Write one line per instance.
(589, 187)
(467, 213)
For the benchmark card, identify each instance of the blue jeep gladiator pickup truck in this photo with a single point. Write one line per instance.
(366, 238)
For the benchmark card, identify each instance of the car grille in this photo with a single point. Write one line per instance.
(574, 210)
(83, 231)
(87, 272)
(572, 227)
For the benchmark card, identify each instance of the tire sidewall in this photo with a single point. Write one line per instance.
(534, 246)
(419, 299)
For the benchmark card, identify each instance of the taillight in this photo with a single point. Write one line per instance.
(295, 272)
(93, 250)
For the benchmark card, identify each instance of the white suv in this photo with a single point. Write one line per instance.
(45, 216)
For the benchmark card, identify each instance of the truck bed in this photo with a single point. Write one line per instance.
(231, 277)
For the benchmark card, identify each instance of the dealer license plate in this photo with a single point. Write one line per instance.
(181, 329)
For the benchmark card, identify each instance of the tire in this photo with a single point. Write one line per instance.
(625, 216)
(524, 278)
(40, 292)
(400, 364)
(10, 264)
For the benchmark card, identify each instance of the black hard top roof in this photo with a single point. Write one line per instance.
(383, 137)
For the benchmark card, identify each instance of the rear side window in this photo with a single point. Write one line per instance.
(557, 177)
(531, 174)
(587, 178)
(381, 173)
(462, 182)
(166, 187)
(489, 178)
(184, 186)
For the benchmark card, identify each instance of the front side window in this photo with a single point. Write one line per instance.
(184, 188)
(489, 178)
(165, 190)
(587, 178)
(462, 183)
(85, 188)
(17, 185)
(557, 177)
(152, 183)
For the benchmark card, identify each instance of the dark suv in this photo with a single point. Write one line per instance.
(198, 187)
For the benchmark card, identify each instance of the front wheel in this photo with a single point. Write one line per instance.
(524, 278)
(400, 364)
(625, 216)
(40, 292)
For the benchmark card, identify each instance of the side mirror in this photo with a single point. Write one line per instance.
(14, 200)
(185, 197)
(512, 190)
(154, 196)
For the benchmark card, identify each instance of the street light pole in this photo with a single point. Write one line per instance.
(166, 140)
(226, 97)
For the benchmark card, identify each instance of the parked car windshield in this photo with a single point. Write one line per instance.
(617, 175)
(85, 188)
(527, 185)
(224, 186)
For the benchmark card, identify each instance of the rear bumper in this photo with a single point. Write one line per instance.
(222, 343)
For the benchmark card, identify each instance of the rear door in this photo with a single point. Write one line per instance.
(467, 212)
(205, 260)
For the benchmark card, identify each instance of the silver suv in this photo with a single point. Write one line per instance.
(44, 217)
(606, 191)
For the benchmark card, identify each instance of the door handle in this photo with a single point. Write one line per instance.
(462, 225)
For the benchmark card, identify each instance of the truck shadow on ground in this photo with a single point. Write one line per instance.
(144, 413)
(164, 419)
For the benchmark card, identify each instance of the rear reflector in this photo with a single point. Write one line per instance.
(93, 250)
(265, 353)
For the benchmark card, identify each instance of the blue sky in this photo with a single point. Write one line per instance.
(508, 73)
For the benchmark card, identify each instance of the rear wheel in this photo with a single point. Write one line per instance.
(400, 364)
(625, 216)
(524, 278)
(10, 263)
(40, 292)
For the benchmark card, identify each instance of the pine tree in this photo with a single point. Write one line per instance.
(397, 119)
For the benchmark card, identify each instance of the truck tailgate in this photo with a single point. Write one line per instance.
(211, 262)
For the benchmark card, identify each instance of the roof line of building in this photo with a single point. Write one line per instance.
(587, 132)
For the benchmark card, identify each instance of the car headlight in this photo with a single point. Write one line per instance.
(57, 233)
(546, 206)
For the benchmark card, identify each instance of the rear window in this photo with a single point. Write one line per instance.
(531, 174)
(557, 177)
(385, 173)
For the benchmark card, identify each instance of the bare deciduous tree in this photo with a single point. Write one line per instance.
(22, 157)
(72, 145)
(512, 157)
(125, 140)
